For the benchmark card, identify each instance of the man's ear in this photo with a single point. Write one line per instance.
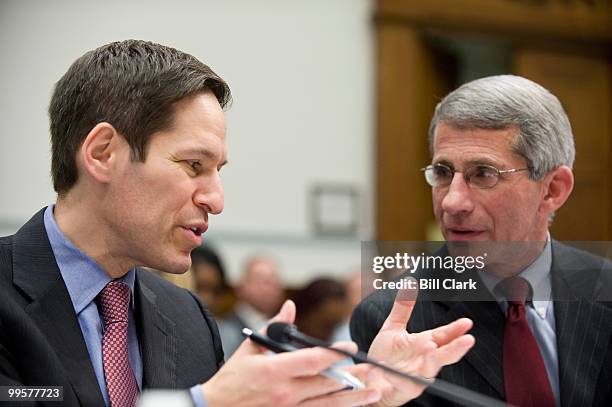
(100, 150)
(559, 184)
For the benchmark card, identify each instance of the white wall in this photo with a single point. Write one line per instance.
(301, 75)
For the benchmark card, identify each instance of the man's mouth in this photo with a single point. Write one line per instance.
(197, 229)
(462, 233)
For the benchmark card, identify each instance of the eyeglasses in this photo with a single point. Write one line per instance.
(480, 175)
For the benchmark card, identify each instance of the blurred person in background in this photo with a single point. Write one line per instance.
(209, 279)
(353, 287)
(258, 296)
(322, 306)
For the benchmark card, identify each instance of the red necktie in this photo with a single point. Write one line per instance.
(120, 380)
(525, 379)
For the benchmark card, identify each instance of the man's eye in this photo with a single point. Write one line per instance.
(194, 164)
(482, 171)
(441, 171)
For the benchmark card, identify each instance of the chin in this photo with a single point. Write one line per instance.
(179, 264)
(179, 268)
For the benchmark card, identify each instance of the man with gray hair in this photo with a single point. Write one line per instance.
(502, 154)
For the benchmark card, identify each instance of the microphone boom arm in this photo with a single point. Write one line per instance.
(285, 333)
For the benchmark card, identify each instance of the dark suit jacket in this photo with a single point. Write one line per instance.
(41, 342)
(583, 330)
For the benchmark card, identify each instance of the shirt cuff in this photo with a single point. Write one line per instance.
(198, 396)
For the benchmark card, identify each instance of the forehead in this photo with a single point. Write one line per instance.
(473, 145)
(198, 125)
(200, 108)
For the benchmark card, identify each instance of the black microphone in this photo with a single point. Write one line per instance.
(286, 333)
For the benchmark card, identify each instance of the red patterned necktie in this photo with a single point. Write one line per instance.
(525, 379)
(120, 380)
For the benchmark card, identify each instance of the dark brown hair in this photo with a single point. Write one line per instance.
(132, 85)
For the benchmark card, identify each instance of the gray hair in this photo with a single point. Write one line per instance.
(545, 136)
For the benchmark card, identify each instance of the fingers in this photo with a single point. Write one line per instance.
(446, 355)
(447, 333)
(304, 362)
(317, 389)
(346, 346)
(454, 351)
(402, 309)
(286, 313)
(316, 386)
(363, 371)
(451, 345)
(345, 398)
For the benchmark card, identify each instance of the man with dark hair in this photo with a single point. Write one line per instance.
(138, 139)
(502, 155)
(118, 84)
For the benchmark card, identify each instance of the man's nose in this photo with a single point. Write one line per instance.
(209, 195)
(458, 197)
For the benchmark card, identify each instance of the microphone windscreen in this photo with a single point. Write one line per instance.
(279, 332)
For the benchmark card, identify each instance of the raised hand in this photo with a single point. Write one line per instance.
(423, 353)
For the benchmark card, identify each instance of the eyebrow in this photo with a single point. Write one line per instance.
(469, 163)
(202, 152)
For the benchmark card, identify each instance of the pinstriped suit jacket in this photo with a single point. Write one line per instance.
(583, 330)
(41, 342)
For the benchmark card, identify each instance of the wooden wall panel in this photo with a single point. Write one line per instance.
(408, 89)
(572, 19)
(583, 84)
(573, 61)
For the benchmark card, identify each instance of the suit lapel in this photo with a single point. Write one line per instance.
(583, 327)
(36, 273)
(486, 356)
(480, 306)
(157, 337)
